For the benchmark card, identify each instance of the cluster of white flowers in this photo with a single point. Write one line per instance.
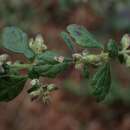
(42, 92)
(37, 45)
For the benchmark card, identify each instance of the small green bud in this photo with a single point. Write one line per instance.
(125, 41)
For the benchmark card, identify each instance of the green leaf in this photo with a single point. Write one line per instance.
(101, 82)
(67, 40)
(10, 87)
(16, 40)
(112, 48)
(82, 37)
(47, 66)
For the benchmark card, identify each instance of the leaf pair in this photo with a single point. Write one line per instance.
(81, 36)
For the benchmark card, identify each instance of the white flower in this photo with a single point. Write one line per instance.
(60, 59)
(37, 45)
(35, 82)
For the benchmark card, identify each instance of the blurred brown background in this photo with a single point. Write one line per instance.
(70, 108)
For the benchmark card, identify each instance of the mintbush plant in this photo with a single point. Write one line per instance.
(43, 62)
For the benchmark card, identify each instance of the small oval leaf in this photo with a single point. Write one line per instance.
(83, 37)
(101, 82)
(16, 40)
